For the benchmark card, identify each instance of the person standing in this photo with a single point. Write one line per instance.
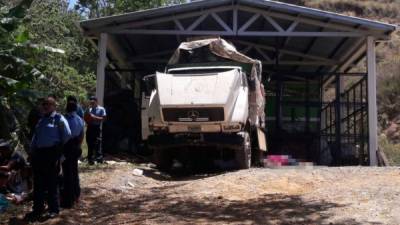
(79, 109)
(72, 152)
(94, 118)
(51, 133)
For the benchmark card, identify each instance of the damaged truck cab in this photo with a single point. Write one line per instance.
(209, 96)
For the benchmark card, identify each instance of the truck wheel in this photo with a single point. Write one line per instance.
(162, 159)
(243, 156)
(257, 156)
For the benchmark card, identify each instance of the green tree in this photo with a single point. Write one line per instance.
(18, 71)
(73, 73)
(99, 8)
(30, 68)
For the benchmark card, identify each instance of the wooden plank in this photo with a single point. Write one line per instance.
(262, 142)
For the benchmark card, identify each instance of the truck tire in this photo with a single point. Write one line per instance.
(257, 156)
(243, 155)
(162, 159)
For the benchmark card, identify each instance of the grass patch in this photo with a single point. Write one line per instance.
(391, 150)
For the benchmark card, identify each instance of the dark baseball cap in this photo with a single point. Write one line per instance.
(93, 98)
(72, 98)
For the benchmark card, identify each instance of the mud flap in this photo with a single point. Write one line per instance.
(262, 143)
(243, 155)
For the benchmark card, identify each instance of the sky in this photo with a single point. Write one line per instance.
(71, 3)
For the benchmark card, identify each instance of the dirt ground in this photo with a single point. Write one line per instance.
(112, 194)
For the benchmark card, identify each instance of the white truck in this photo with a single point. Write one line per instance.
(209, 96)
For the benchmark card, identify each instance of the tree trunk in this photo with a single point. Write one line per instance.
(5, 131)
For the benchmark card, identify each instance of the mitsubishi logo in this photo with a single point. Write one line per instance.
(193, 114)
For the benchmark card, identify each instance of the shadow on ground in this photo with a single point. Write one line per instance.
(163, 205)
(181, 175)
(157, 207)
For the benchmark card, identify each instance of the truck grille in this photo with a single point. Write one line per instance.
(193, 114)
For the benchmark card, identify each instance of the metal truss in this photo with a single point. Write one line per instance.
(262, 50)
(227, 18)
(232, 27)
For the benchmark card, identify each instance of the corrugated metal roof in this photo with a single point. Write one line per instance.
(201, 4)
(300, 39)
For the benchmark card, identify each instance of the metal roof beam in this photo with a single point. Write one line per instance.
(179, 24)
(272, 62)
(265, 56)
(160, 53)
(231, 33)
(140, 27)
(335, 51)
(312, 43)
(197, 22)
(269, 9)
(235, 20)
(300, 34)
(298, 62)
(316, 13)
(246, 50)
(271, 21)
(292, 26)
(284, 51)
(174, 32)
(274, 23)
(249, 22)
(164, 19)
(287, 39)
(154, 60)
(221, 22)
(303, 20)
(356, 52)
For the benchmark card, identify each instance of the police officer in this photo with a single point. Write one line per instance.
(94, 118)
(51, 133)
(72, 152)
(79, 109)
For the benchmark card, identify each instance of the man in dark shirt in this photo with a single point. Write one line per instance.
(51, 133)
(72, 151)
(79, 109)
(94, 118)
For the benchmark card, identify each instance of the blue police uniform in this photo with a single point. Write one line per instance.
(72, 151)
(97, 111)
(51, 133)
(75, 123)
(80, 111)
(93, 135)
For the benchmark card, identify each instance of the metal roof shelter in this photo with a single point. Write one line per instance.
(294, 43)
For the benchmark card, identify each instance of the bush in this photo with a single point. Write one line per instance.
(391, 150)
(384, 9)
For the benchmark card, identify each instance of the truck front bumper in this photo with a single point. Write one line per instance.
(205, 140)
